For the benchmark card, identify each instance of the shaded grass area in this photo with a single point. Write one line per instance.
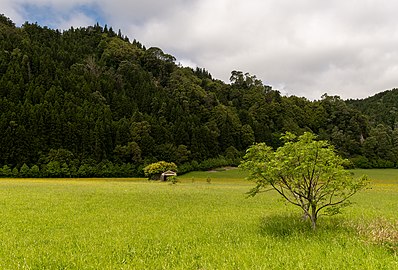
(64, 224)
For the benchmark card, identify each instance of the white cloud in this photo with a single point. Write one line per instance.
(187, 63)
(10, 9)
(306, 47)
(77, 19)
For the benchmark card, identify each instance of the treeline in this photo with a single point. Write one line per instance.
(90, 102)
(64, 168)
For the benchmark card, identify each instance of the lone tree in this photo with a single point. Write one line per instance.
(153, 171)
(306, 172)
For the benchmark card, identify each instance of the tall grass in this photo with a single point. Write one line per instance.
(89, 224)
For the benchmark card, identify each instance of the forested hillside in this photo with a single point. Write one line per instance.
(90, 102)
(381, 144)
(381, 108)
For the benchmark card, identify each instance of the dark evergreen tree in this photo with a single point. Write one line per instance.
(87, 102)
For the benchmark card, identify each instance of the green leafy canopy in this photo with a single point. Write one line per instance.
(153, 170)
(305, 171)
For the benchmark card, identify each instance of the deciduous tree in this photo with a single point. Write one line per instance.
(154, 170)
(306, 172)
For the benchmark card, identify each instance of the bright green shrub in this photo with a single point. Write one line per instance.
(34, 171)
(24, 171)
(154, 170)
(5, 171)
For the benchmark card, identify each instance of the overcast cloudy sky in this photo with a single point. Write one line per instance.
(300, 47)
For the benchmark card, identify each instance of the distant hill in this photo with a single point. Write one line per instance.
(90, 102)
(381, 108)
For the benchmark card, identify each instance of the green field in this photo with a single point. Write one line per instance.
(136, 224)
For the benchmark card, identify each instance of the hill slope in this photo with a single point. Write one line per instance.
(88, 102)
(381, 108)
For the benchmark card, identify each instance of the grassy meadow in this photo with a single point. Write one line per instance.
(203, 222)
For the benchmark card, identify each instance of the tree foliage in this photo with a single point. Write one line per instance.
(304, 171)
(154, 170)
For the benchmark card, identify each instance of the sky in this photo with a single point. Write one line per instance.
(299, 47)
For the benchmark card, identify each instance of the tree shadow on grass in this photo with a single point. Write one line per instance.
(289, 225)
(283, 225)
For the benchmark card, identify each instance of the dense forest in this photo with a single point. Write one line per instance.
(90, 102)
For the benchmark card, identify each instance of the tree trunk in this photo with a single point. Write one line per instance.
(313, 217)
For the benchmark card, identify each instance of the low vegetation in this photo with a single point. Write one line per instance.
(138, 224)
(154, 170)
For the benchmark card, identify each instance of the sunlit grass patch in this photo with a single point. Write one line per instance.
(140, 224)
(222, 175)
(379, 175)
